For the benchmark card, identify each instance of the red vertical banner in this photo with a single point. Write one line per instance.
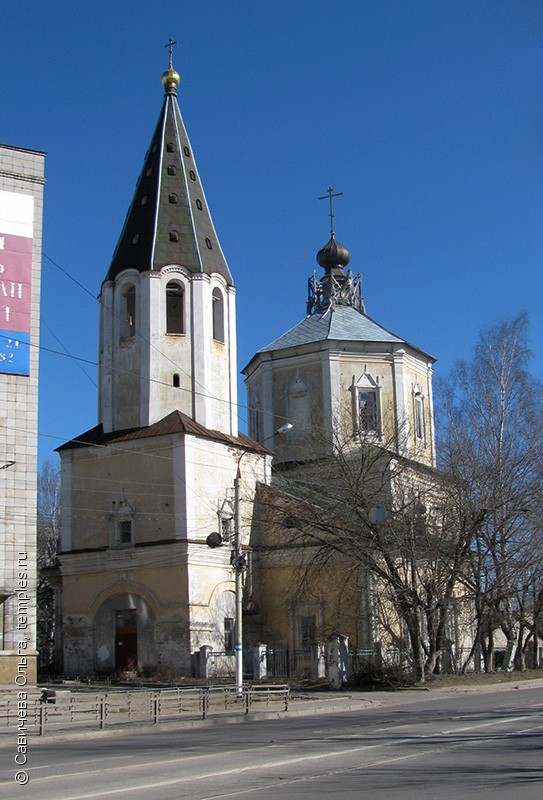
(16, 220)
(15, 278)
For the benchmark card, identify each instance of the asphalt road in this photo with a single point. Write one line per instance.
(430, 747)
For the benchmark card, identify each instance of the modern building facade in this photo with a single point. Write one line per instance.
(21, 210)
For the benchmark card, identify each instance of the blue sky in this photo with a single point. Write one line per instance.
(427, 115)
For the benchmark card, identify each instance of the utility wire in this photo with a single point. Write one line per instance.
(203, 393)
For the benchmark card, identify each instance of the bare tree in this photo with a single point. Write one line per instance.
(319, 513)
(491, 410)
(48, 547)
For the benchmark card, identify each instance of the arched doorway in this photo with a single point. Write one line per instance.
(124, 635)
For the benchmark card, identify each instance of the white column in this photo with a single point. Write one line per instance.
(231, 342)
(267, 405)
(206, 662)
(260, 662)
(105, 375)
(149, 364)
(201, 332)
(431, 428)
(330, 397)
(66, 499)
(318, 660)
(401, 410)
(181, 512)
(338, 664)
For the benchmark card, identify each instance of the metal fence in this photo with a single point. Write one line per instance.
(63, 710)
(360, 660)
(287, 662)
(281, 662)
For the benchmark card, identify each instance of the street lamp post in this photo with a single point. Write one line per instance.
(238, 564)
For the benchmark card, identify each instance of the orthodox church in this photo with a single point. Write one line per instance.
(358, 400)
(142, 589)
(339, 373)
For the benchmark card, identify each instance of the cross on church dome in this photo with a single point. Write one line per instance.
(171, 79)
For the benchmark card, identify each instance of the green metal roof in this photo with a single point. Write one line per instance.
(343, 323)
(337, 323)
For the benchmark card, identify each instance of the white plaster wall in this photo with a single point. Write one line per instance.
(105, 372)
(214, 468)
(136, 374)
(121, 370)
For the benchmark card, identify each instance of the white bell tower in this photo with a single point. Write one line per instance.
(167, 316)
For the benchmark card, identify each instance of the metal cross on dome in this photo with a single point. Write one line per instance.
(329, 195)
(170, 45)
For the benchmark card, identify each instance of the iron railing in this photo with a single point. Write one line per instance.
(66, 710)
(287, 662)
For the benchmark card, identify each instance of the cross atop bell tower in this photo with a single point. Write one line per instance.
(170, 44)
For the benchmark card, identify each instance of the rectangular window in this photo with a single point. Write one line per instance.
(226, 528)
(308, 631)
(228, 635)
(368, 413)
(124, 531)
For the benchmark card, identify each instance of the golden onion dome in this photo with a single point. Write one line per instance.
(171, 80)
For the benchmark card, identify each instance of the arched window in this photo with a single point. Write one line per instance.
(255, 417)
(298, 406)
(420, 421)
(175, 322)
(128, 312)
(176, 380)
(218, 315)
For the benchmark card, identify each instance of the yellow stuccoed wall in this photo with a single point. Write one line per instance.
(332, 376)
(11, 672)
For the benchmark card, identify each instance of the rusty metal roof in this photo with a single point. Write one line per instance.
(173, 423)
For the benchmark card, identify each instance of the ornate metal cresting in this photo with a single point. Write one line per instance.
(335, 287)
(345, 293)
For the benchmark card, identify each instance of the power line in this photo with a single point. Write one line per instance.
(205, 499)
(204, 393)
(67, 352)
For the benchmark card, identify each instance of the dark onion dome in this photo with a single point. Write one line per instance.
(333, 255)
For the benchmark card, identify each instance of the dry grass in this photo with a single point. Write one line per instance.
(481, 678)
